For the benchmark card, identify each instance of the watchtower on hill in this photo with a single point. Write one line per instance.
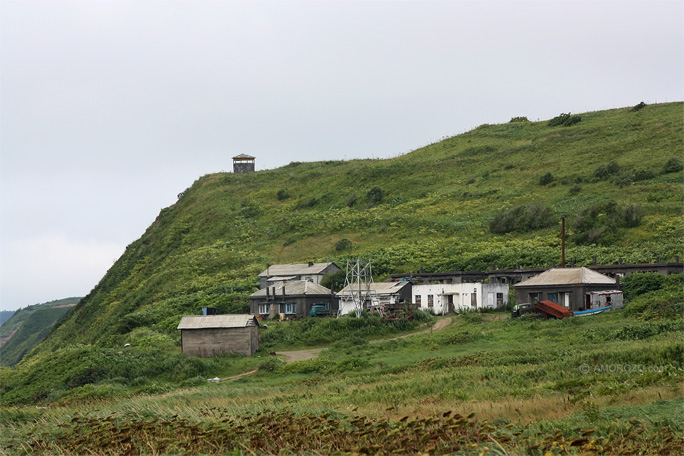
(243, 163)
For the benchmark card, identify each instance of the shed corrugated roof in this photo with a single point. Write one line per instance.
(294, 288)
(568, 276)
(294, 269)
(217, 321)
(378, 288)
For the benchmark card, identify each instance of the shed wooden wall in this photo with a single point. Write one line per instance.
(214, 341)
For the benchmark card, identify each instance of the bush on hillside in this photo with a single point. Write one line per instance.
(643, 174)
(637, 284)
(519, 119)
(546, 179)
(375, 195)
(639, 106)
(600, 222)
(673, 165)
(343, 244)
(522, 219)
(564, 120)
(283, 194)
(607, 170)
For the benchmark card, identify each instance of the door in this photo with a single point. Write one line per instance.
(473, 300)
(450, 303)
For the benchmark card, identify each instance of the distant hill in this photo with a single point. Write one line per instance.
(28, 327)
(5, 315)
(491, 196)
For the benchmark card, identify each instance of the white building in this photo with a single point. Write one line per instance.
(381, 295)
(443, 298)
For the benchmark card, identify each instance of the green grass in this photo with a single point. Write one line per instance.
(524, 380)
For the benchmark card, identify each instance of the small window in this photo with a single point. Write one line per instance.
(264, 309)
(288, 307)
(418, 299)
(499, 296)
(430, 301)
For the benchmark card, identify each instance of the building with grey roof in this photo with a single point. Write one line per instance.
(568, 287)
(291, 299)
(212, 335)
(313, 272)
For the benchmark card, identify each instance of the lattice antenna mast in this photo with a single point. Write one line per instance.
(359, 281)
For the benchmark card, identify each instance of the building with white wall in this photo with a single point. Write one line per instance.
(443, 298)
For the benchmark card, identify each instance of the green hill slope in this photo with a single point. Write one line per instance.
(27, 327)
(616, 176)
(31, 333)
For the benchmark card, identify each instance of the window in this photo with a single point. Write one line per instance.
(264, 309)
(430, 301)
(288, 307)
(418, 299)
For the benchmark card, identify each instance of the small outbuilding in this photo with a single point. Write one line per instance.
(212, 335)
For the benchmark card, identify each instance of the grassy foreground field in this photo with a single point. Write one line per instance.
(607, 384)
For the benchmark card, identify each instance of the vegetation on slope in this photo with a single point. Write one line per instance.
(32, 332)
(606, 383)
(428, 209)
(18, 317)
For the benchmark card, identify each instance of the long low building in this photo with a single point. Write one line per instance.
(443, 298)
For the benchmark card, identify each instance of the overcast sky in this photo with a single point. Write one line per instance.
(109, 109)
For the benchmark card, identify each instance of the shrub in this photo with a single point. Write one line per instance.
(673, 165)
(351, 200)
(522, 219)
(575, 189)
(564, 120)
(334, 281)
(624, 179)
(546, 179)
(375, 195)
(637, 284)
(643, 174)
(283, 194)
(605, 171)
(343, 244)
(639, 107)
(519, 119)
(600, 222)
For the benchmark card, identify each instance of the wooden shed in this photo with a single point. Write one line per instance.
(211, 335)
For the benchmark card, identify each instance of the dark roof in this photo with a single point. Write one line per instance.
(243, 157)
(294, 288)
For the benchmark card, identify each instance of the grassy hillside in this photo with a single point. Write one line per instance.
(17, 318)
(494, 195)
(486, 384)
(5, 315)
(32, 332)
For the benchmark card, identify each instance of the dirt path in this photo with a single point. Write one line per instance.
(300, 355)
